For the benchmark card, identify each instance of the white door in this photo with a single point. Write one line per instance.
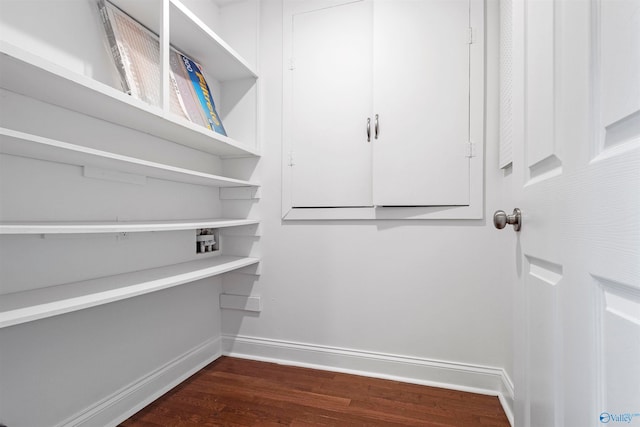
(421, 99)
(331, 70)
(577, 180)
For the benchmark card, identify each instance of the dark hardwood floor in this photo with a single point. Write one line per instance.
(237, 392)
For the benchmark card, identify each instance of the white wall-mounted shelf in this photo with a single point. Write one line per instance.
(36, 147)
(90, 227)
(22, 307)
(50, 65)
(187, 30)
(191, 35)
(33, 76)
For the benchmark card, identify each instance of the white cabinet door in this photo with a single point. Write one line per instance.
(331, 101)
(421, 97)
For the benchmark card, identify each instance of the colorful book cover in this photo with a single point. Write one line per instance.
(189, 103)
(202, 93)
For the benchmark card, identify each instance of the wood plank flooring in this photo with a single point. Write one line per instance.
(238, 392)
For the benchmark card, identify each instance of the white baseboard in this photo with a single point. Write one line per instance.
(135, 396)
(435, 373)
(451, 375)
(506, 396)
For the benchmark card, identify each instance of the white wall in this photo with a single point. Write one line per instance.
(73, 366)
(430, 290)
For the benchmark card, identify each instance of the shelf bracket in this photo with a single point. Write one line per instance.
(111, 175)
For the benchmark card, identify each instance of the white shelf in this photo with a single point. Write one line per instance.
(90, 227)
(37, 147)
(22, 307)
(30, 75)
(190, 34)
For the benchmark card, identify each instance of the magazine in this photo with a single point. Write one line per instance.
(191, 109)
(136, 54)
(200, 91)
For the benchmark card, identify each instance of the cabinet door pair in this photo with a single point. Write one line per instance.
(380, 94)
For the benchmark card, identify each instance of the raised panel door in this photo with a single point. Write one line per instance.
(577, 169)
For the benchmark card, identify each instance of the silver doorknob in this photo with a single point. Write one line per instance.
(501, 219)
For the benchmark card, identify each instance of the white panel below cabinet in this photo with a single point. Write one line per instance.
(22, 307)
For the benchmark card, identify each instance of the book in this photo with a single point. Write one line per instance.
(188, 104)
(201, 92)
(136, 54)
(135, 51)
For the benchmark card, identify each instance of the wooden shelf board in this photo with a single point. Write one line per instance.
(33, 76)
(91, 227)
(37, 147)
(27, 306)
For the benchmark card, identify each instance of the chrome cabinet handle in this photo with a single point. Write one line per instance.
(376, 126)
(368, 129)
(501, 219)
